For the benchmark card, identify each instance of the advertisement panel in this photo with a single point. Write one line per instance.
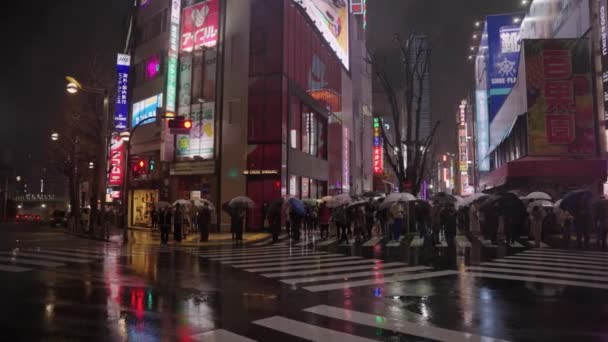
(332, 19)
(345, 160)
(116, 161)
(503, 54)
(121, 113)
(603, 17)
(145, 109)
(378, 158)
(200, 25)
(201, 140)
(172, 56)
(560, 101)
(556, 19)
(483, 129)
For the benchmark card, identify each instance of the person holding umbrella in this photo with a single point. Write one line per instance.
(398, 214)
(602, 223)
(296, 215)
(339, 217)
(274, 218)
(204, 220)
(324, 218)
(178, 220)
(370, 211)
(536, 217)
(165, 224)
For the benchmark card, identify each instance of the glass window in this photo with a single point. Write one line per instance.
(307, 117)
(294, 186)
(322, 134)
(294, 123)
(314, 189)
(305, 187)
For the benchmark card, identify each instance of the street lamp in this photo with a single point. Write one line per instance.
(18, 179)
(55, 136)
(72, 88)
(91, 165)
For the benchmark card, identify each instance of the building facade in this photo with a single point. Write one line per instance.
(270, 91)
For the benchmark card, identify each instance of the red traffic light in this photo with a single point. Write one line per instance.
(180, 125)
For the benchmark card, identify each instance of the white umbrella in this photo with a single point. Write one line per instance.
(358, 203)
(556, 208)
(474, 197)
(539, 203)
(339, 200)
(538, 195)
(399, 196)
(241, 201)
(182, 202)
(201, 203)
(326, 198)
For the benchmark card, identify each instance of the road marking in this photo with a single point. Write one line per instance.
(266, 256)
(442, 244)
(417, 242)
(549, 274)
(397, 325)
(326, 242)
(31, 262)
(542, 244)
(372, 242)
(538, 280)
(488, 243)
(246, 253)
(546, 268)
(346, 276)
(307, 331)
(86, 251)
(271, 259)
(560, 254)
(332, 270)
(220, 335)
(556, 259)
(394, 243)
(246, 249)
(48, 257)
(287, 262)
(463, 242)
(305, 242)
(579, 252)
(516, 245)
(565, 256)
(549, 263)
(379, 281)
(9, 268)
(70, 254)
(340, 263)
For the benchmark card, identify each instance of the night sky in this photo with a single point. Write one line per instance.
(51, 39)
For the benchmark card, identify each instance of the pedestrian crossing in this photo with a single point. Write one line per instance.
(321, 323)
(548, 266)
(318, 271)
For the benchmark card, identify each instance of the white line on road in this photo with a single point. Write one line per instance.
(556, 259)
(48, 257)
(549, 263)
(341, 263)
(271, 259)
(307, 331)
(380, 281)
(220, 335)
(246, 253)
(70, 254)
(346, 276)
(538, 280)
(401, 326)
(9, 268)
(549, 274)
(332, 270)
(372, 242)
(311, 262)
(571, 254)
(417, 242)
(545, 268)
(566, 256)
(31, 262)
(605, 254)
(463, 241)
(266, 256)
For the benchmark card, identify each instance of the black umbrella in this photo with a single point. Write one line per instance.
(441, 198)
(490, 203)
(511, 204)
(372, 194)
(575, 200)
(276, 206)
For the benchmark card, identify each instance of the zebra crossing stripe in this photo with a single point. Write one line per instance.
(346, 276)
(604, 254)
(463, 242)
(393, 279)
(417, 242)
(516, 245)
(226, 255)
(31, 262)
(307, 331)
(372, 242)
(296, 262)
(565, 256)
(266, 256)
(550, 263)
(9, 268)
(397, 325)
(70, 254)
(556, 259)
(86, 251)
(538, 280)
(271, 259)
(48, 257)
(340, 263)
(249, 252)
(560, 254)
(332, 270)
(219, 335)
(549, 274)
(545, 268)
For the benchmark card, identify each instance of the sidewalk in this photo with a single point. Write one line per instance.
(146, 236)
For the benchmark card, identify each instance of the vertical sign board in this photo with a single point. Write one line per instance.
(345, 161)
(172, 57)
(503, 47)
(122, 85)
(603, 8)
(560, 100)
(378, 159)
(116, 161)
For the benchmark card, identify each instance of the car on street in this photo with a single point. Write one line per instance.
(59, 219)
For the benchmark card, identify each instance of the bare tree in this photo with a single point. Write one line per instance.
(406, 151)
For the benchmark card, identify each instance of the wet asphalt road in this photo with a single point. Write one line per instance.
(57, 287)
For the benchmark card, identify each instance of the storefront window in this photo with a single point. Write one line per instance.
(314, 192)
(294, 123)
(322, 133)
(143, 204)
(306, 136)
(305, 187)
(294, 186)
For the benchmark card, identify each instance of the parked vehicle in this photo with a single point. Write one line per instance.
(59, 219)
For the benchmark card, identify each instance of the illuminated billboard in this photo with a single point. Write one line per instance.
(331, 19)
(378, 158)
(201, 140)
(145, 109)
(200, 25)
(121, 113)
(172, 56)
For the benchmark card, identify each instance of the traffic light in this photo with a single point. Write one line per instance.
(140, 167)
(180, 125)
(151, 165)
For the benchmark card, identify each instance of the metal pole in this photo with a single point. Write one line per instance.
(4, 212)
(125, 194)
(103, 161)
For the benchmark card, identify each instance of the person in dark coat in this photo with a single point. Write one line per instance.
(178, 221)
(165, 225)
(370, 213)
(296, 224)
(581, 223)
(204, 221)
(237, 216)
(274, 220)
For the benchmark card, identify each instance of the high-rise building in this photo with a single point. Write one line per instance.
(275, 92)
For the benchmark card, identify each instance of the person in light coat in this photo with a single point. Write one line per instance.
(474, 219)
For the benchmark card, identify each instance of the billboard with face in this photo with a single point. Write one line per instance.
(331, 19)
(559, 96)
